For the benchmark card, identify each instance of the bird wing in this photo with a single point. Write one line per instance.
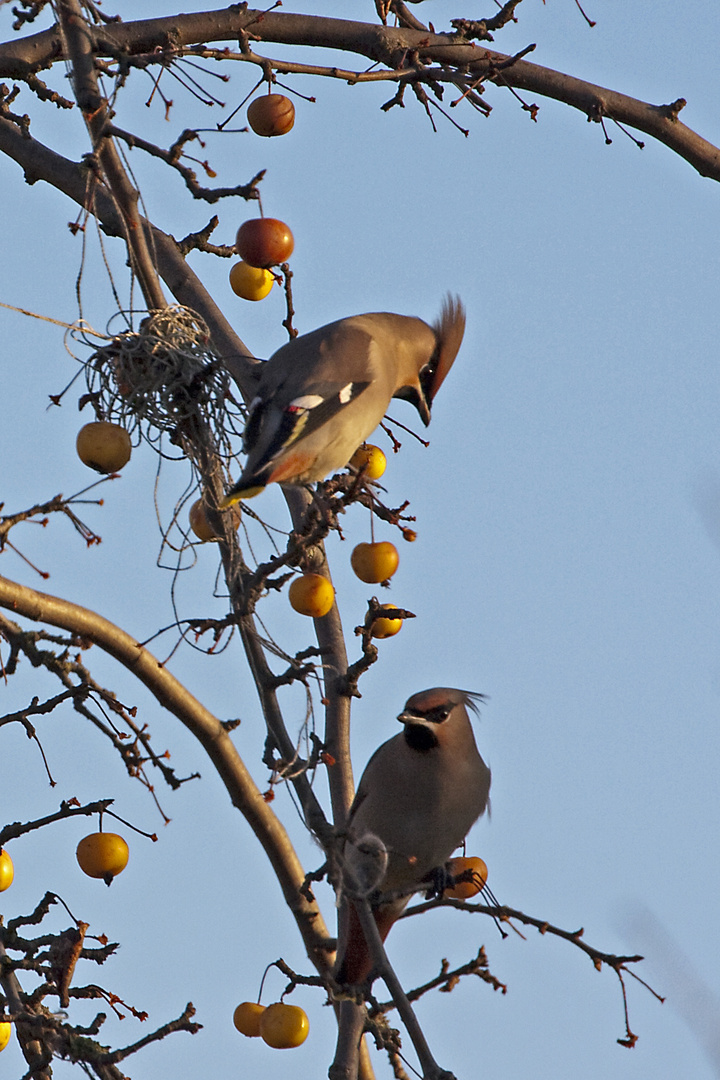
(273, 428)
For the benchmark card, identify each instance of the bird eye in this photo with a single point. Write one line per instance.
(438, 714)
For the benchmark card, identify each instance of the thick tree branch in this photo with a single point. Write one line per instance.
(380, 44)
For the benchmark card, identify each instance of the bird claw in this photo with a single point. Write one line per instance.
(439, 879)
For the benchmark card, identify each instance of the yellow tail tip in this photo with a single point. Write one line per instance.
(234, 497)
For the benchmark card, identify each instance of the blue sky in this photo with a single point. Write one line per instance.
(568, 512)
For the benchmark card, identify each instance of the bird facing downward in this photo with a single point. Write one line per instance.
(321, 395)
(419, 795)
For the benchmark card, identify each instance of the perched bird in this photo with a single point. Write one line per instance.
(322, 394)
(418, 797)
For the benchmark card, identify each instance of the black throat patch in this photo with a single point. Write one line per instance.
(419, 737)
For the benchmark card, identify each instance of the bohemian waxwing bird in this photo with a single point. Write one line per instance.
(418, 797)
(322, 394)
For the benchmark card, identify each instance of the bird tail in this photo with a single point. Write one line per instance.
(241, 490)
(449, 328)
(356, 963)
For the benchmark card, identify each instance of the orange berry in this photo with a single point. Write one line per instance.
(465, 889)
(271, 114)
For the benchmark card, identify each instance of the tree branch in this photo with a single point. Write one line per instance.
(172, 695)
(39, 162)
(80, 46)
(430, 1068)
(11, 832)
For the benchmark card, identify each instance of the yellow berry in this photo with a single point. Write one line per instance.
(246, 1018)
(250, 282)
(284, 1026)
(371, 459)
(7, 871)
(383, 628)
(102, 855)
(311, 594)
(374, 563)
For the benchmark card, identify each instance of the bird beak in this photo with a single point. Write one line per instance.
(416, 395)
(424, 409)
(411, 718)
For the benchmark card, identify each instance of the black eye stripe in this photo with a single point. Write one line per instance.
(434, 716)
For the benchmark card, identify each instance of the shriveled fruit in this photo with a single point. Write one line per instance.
(371, 459)
(200, 525)
(382, 627)
(264, 242)
(7, 870)
(250, 282)
(103, 446)
(5, 1033)
(102, 855)
(199, 522)
(376, 562)
(246, 1018)
(271, 114)
(465, 889)
(311, 594)
(197, 516)
(284, 1026)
